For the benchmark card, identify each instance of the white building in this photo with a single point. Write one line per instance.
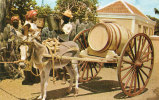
(128, 16)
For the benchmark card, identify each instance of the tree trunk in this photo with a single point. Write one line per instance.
(2, 14)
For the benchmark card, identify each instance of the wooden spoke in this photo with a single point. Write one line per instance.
(123, 69)
(146, 60)
(81, 43)
(141, 78)
(145, 49)
(88, 71)
(147, 67)
(127, 74)
(130, 56)
(83, 64)
(135, 46)
(138, 80)
(131, 51)
(146, 55)
(142, 46)
(94, 66)
(91, 72)
(85, 40)
(144, 73)
(84, 70)
(126, 61)
(130, 76)
(139, 45)
(135, 81)
(132, 81)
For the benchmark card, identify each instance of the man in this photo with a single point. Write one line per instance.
(30, 28)
(67, 27)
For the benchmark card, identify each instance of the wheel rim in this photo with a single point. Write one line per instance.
(87, 70)
(135, 64)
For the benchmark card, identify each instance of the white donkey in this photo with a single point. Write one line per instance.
(39, 61)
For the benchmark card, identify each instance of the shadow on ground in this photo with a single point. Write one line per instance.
(94, 87)
(121, 95)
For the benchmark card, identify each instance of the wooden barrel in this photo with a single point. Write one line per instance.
(108, 36)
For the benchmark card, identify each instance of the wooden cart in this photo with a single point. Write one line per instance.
(134, 62)
(135, 57)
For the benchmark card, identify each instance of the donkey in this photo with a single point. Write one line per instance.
(39, 61)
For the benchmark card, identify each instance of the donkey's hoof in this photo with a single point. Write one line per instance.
(69, 90)
(76, 92)
(40, 97)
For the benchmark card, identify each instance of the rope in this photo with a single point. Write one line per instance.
(13, 61)
(55, 44)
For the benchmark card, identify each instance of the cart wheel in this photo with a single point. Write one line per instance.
(87, 70)
(135, 64)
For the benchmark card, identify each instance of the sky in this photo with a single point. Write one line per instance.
(145, 6)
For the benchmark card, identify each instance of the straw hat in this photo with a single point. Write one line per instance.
(68, 13)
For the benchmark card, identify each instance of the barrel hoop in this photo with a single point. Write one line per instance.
(110, 39)
(111, 31)
(120, 36)
(116, 42)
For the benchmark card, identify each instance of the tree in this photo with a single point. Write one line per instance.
(43, 11)
(156, 26)
(2, 14)
(156, 11)
(20, 7)
(84, 10)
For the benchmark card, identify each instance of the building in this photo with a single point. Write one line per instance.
(128, 16)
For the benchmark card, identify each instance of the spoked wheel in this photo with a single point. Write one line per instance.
(87, 70)
(135, 64)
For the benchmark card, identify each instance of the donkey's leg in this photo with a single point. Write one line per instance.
(76, 74)
(69, 69)
(47, 72)
(42, 76)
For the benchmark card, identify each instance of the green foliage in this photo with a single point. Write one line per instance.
(44, 11)
(156, 26)
(156, 11)
(84, 10)
(20, 7)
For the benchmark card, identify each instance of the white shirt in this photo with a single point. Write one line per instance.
(67, 28)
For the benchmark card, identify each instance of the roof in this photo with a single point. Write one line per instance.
(121, 7)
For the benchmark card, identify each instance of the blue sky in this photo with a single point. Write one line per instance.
(145, 6)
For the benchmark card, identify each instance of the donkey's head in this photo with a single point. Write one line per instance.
(26, 49)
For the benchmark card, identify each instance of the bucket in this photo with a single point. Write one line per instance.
(108, 36)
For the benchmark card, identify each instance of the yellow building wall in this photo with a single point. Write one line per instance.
(127, 23)
(135, 27)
